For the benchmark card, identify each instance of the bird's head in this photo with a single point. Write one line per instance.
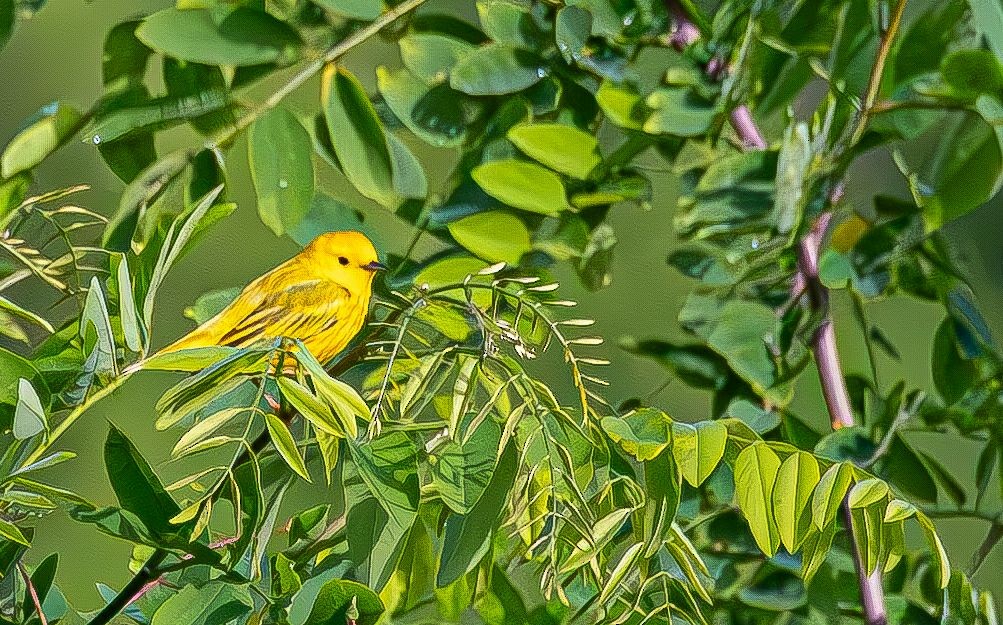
(349, 257)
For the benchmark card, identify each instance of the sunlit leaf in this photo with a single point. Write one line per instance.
(756, 471)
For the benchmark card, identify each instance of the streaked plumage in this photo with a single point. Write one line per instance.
(320, 296)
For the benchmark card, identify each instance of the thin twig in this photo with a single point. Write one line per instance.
(877, 72)
(32, 593)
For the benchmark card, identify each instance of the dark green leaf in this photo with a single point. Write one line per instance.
(467, 538)
(137, 487)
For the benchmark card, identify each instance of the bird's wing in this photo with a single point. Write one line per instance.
(298, 310)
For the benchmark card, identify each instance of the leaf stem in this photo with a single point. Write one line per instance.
(32, 593)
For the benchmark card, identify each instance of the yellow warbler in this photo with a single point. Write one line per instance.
(320, 296)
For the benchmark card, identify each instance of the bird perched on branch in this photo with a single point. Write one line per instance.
(320, 296)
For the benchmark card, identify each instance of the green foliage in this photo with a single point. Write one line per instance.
(464, 481)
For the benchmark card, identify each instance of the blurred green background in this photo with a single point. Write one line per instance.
(57, 56)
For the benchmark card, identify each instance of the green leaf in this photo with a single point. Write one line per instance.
(6, 21)
(125, 121)
(867, 492)
(973, 72)
(898, 510)
(698, 448)
(563, 148)
(184, 228)
(245, 37)
(496, 69)
(56, 123)
(965, 170)
(830, 493)
(741, 336)
(903, 467)
(756, 471)
(343, 399)
(642, 433)
(366, 10)
(12, 533)
(663, 487)
(96, 333)
(572, 29)
(676, 111)
(285, 444)
(622, 104)
(953, 373)
(128, 315)
(137, 487)
(522, 185)
(29, 416)
(203, 428)
(432, 56)
(215, 603)
(796, 481)
(279, 152)
(387, 467)
(359, 139)
(694, 364)
(343, 601)
(463, 470)
(437, 115)
(619, 571)
(315, 411)
(188, 80)
(815, 549)
(10, 307)
(507, 22)
(494, 236)
(466, 538)
(943, 563)
(208, 305)
(588, 547)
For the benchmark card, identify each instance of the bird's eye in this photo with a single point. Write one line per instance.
(342, 260)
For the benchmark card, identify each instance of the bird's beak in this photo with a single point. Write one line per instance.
(375, 266)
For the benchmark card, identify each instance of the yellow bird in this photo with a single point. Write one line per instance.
(320, 296)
